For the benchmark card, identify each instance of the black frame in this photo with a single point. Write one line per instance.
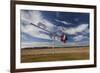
(13, 35)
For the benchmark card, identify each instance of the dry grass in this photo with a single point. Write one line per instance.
(57, 54)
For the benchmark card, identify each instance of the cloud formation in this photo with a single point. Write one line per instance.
(75, 30)
(29, 16)
(80, 37)
(35, 17)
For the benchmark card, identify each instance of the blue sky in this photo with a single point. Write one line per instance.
(74, 25)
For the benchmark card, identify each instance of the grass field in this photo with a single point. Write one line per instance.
(57, 54)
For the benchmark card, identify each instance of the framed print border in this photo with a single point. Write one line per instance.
(13, 35)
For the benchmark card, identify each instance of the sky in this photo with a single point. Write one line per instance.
(74, 25)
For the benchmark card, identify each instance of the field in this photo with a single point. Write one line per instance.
(54, 54)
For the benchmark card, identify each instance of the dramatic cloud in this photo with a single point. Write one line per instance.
(80, 37)
(75, 30)
(35, 17)
(34, 33)
(31, 16)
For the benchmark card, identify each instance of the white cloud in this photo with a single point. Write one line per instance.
(80, 37)
(33, 31)
(34, 17)
(35, 44)
(64, 22)
(31, 16)
(75, 30)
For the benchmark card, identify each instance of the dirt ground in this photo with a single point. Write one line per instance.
(54, 54)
